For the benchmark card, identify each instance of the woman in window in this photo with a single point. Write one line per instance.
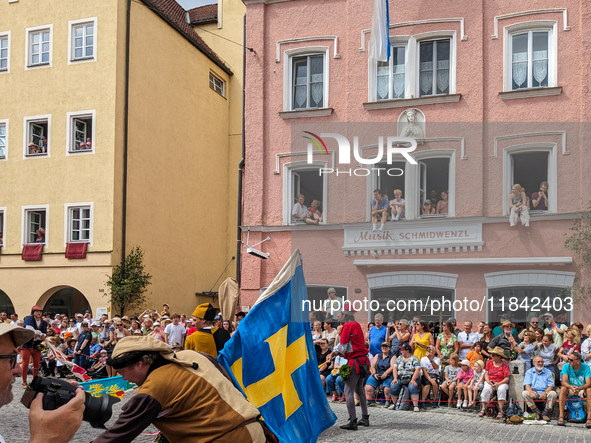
(442, 204)
(40, 235)
(518, 207)
(427, 208)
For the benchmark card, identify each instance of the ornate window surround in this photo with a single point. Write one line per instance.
(288, 168)
(535, 11)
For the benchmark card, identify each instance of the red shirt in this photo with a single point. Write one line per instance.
(352, 331)
(495, 374)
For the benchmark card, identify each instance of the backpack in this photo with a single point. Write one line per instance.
(514, 409)
(404, 403)
(574, 410)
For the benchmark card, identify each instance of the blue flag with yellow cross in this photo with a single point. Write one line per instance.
(272, 359)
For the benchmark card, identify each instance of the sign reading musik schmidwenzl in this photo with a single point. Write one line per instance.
(432, 236)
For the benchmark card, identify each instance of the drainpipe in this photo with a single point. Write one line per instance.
(241, 164)
(125, 133)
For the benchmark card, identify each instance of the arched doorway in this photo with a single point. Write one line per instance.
(5, 303)
(67, 301)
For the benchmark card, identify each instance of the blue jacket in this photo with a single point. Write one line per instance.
(30, 323)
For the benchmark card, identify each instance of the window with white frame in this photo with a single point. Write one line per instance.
(79, 224)
(217, 84)
(37, 136)
(304, 179)
(4, 53)
(39, 47)
(433, 187)
(308, 78)
(531, 50)
(35, 225)
(390, 178)
(81, 132)
(3, 139)
(419, 66)
(529, 170)
(83, 41)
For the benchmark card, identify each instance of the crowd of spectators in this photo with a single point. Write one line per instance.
(466, 368)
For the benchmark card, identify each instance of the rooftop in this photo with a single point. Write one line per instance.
(203, 14)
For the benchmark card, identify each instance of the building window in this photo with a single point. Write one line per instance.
(3, 138)
(411, 302)
(39, 47)
(434, 187)
(37, 136)
(308, 82)
(391, 75)
(217, 84)
(526, 302)
(79, 224)
(434, 67)
(81, 132)
(304, 179)
(4, 53)
(35, 225)
(83, 41)
(2, 228)
(529, 170)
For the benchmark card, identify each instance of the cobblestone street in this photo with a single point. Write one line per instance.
(385, 426)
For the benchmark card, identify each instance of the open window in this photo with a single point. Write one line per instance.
(37, 136)
(387, 178)
(529, 170)
(35, 225)
(81, 132)
(433, 180)
(304, 179)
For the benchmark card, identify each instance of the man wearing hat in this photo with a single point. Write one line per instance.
(506, 340)
(57, 426)
(381, 374)
(207, 338)
(352, 347)
(35, 323)
(499, 329)
(201, 405)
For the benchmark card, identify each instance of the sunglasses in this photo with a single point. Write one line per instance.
(572, 360)
(11, 359)
(119, 325)
(535, 322)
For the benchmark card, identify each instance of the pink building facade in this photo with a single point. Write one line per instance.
(494, 94)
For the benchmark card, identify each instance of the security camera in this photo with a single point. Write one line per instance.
(257, 253)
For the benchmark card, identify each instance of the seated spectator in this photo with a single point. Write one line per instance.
(400, 336)
(156, 332)
(40, 235)
(33, 149)
(475, 354)
(329, 333)
(450, 373)
(397, 205)
(506, 339)
(518, 206)
(334, 383)
(430, 366)
(71, 349)
(324, 361)
(314, 216)
(576, 324)
(539, 385)
(586, 347)
(299, 211)
(465, 375)
(571, 343)
(100, 362)
(539, 200)
(547, 350)
(381, 374)
(525, 349)
(576, 382)
(476, 383)
(496, 379)
(406, 371)
(443, 203)
(427, 208)
(379, 210)
(317, 332)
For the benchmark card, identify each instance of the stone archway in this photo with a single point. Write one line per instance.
(64, 300)
(6, 304)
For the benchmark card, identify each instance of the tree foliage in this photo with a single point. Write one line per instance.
(579, 242)
(128, 282)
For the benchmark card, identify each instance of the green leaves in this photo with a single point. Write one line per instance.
(128, 282)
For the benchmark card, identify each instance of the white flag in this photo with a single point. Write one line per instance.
(379, 43)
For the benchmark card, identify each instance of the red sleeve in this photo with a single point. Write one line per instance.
(345, 334)
(136, 415)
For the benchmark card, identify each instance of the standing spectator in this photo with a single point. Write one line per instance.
(454, 322)
(421, 340)
(496, 378)
(485, 340)
(400, 336)
(332, 304)
(581, 330)
(227, 325)
(480, 331)
(299, 211)
(381, 373)
(329, 332)
(174, 332)
(576, 381)
(377, 335)
(29, 350)
(434, 196)
(555, 329)
(539, 385)
(533, 325)
(539, 200)
(525, 349)
(430, 379)
(83, 347)
(4, 318)
(406, 369)
(466, 339)
(447, 344)
(379, 210)
(239, 317)
(156, 332)
(13, 318)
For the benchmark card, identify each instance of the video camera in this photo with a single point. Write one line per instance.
(56, 393)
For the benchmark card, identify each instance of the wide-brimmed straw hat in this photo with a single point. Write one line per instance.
(498, 351)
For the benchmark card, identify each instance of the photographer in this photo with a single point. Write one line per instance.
(57, 426)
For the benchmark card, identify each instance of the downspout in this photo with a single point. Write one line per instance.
(125, 133)
(241, 164)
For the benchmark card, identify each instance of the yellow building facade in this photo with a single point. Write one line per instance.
(131, 82)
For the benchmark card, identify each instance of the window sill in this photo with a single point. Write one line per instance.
(404, 102)
(81, 59)
(80, 151)
(532, 92)
(39, 65)
(321, 112)
(45, 154)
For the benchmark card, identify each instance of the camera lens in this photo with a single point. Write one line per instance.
(98, 410)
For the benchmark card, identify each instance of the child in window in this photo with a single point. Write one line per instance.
(314, 216)
(451, 377)
(397, 205)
